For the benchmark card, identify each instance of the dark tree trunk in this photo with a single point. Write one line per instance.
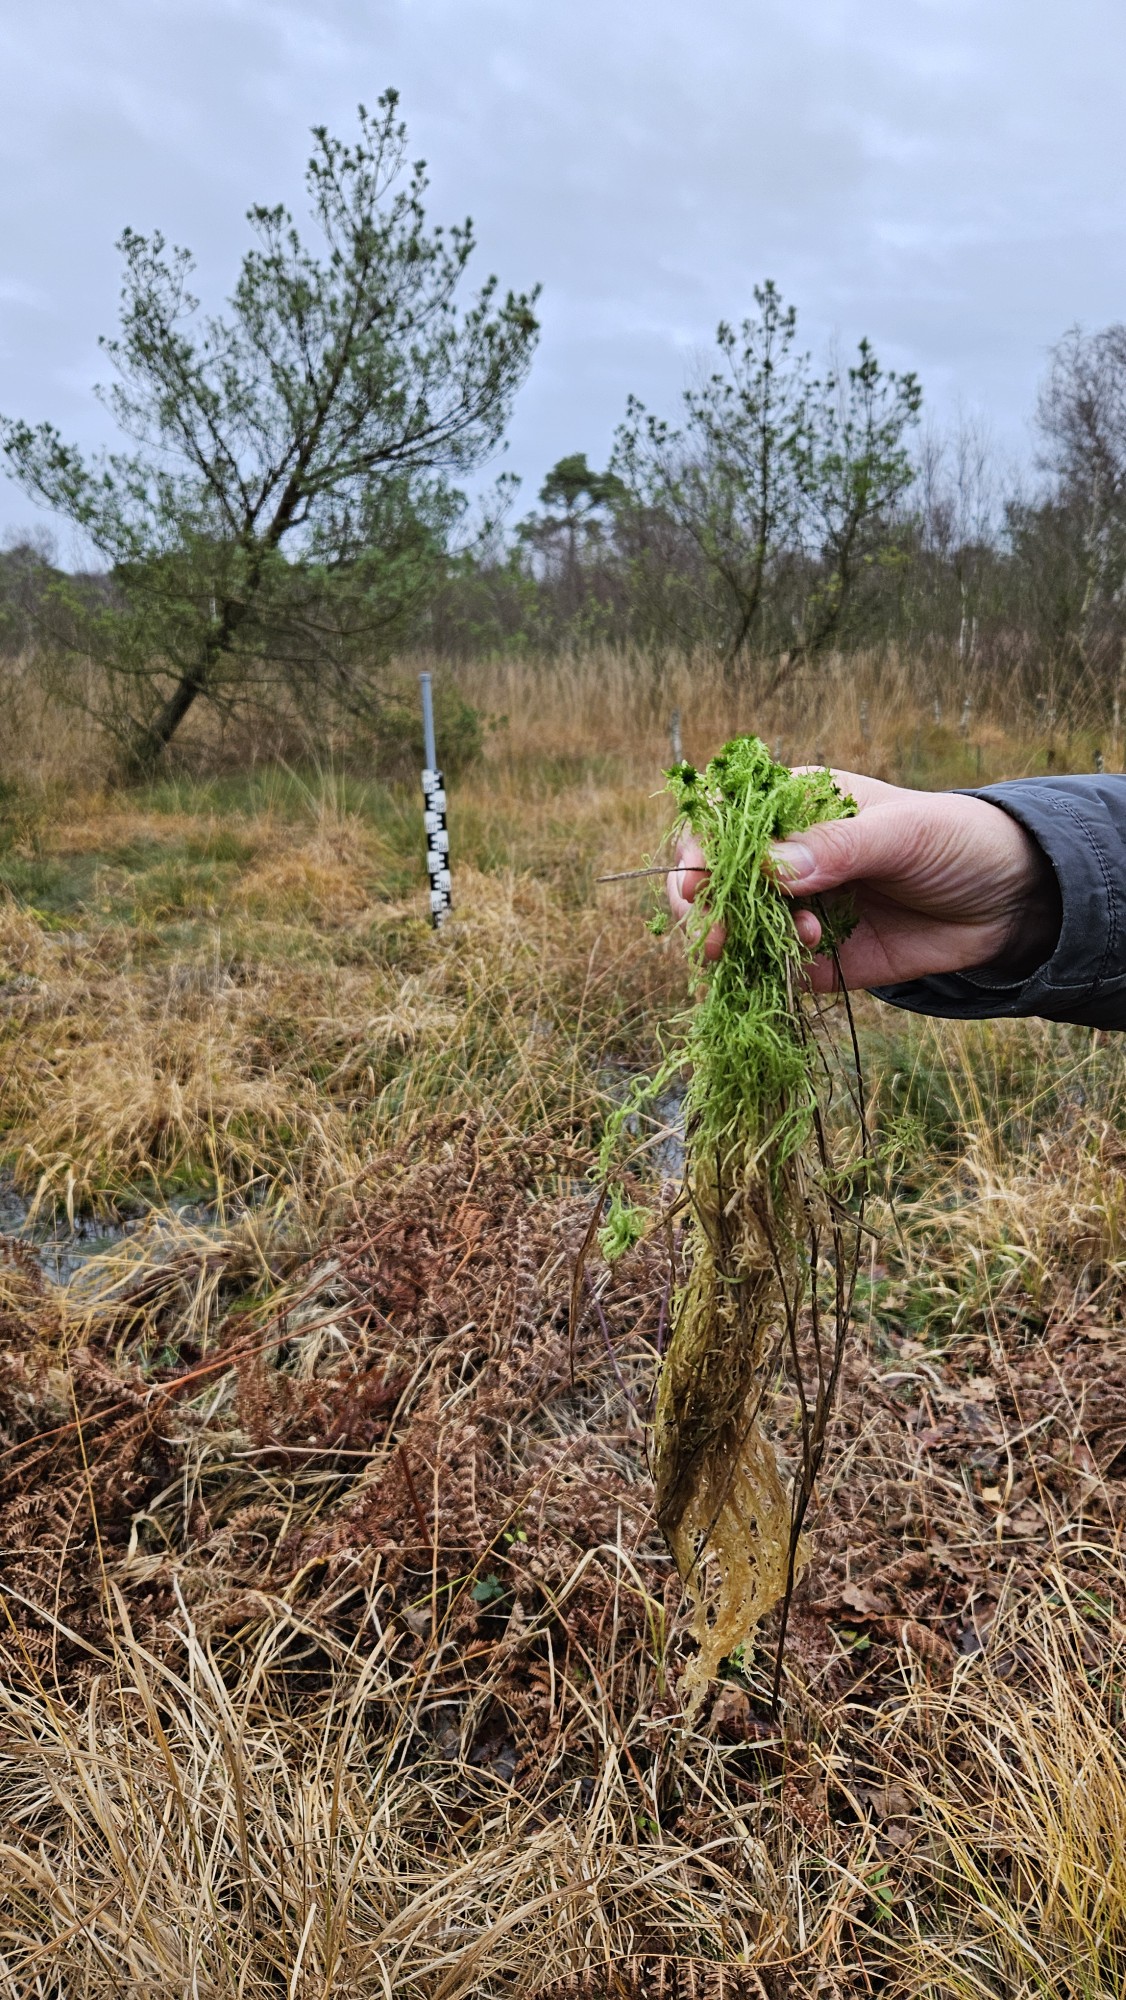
(150, 743)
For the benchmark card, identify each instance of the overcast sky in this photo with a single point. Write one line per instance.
(945, 176)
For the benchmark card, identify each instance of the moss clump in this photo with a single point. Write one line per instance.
(763, 1214)
(624, 1226)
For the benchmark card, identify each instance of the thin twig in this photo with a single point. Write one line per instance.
(846, 1229)
(635, 874)
(580, 1273)
(662, 1328)
(601, 1317)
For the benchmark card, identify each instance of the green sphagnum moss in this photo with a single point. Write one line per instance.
(750, 1106)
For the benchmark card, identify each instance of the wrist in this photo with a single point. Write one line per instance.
(1037, 911)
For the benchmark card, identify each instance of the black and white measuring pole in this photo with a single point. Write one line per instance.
(434, 816)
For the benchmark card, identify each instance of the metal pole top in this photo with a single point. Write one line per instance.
(428, 723)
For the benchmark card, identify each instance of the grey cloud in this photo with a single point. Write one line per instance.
(940, 174)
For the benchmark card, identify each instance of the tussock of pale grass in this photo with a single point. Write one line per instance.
(25, 951)
(127, 1095)
(1017, 1777)
(329, 878)
(181, 1834)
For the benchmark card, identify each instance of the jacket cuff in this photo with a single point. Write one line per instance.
(1080, 823)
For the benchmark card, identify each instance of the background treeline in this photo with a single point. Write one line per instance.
(287, 516)
(726, 530)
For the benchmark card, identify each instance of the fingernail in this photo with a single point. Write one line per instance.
(791, 861)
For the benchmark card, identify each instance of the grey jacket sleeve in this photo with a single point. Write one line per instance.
(1081, 825)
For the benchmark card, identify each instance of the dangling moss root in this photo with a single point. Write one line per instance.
(761, 1207)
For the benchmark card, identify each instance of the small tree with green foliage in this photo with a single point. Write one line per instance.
(755, 517)
(572, 537)
(724, 481)
(285, 504)
(854, 466)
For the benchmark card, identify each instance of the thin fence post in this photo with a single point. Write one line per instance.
(675, 743)
(434, 815)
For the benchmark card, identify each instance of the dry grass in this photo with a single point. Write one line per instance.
(266, 1021)
(340, 1656)
(340, 1653)
(1018, 1779)
(910, 720)
(174, 1836)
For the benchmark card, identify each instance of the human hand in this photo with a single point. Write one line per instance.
(940, 883)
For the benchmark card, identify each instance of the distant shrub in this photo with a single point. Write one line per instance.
(400, 751)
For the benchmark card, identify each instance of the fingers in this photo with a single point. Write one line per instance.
(880, 842)
(684, 880)
(808, 929)
(683, 884)
(796, 866)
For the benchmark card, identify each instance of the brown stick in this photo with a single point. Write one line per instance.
(635, 874)
(415, 1501)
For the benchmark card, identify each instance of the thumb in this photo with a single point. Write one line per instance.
(879, 842)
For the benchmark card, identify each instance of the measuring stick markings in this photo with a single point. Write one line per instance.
(434, 816)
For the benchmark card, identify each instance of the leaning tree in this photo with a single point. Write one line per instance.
(285, 496)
